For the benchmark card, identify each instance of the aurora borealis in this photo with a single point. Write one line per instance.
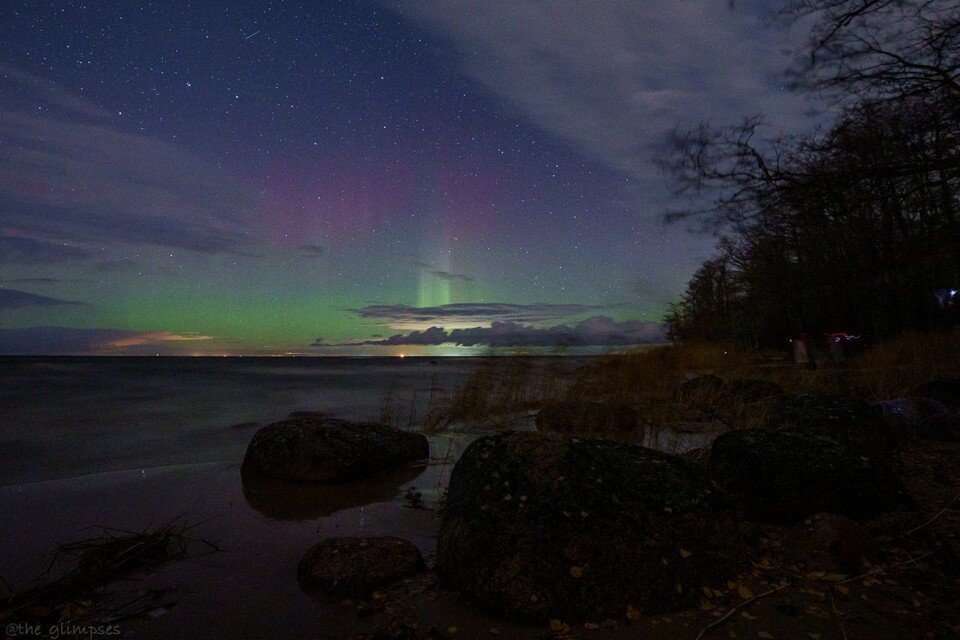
(260, 177)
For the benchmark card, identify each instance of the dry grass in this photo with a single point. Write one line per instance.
(499, 388)
(892, 369)
(648, 379)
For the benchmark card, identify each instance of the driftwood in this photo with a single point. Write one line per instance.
(113, 555)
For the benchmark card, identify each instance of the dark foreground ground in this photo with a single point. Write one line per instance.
(248, 588)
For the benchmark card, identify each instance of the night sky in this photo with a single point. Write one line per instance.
(321, 177)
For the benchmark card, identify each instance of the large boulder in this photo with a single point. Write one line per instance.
(827, 542)
(782, 477)
(319, 449)
(584, 418)
(539, 526)
(917, 417)
(354, 567)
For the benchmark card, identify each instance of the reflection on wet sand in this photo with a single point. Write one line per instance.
(300, 501)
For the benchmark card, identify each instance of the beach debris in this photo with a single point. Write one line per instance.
(414, 498)
(79, 596)
(827, 542)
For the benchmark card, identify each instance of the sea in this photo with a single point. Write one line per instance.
(65, 417)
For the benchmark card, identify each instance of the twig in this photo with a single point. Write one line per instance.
(884, 568)
(931, 520)
(745, 603)
(836, 612)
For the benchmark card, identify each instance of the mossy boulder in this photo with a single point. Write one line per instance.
(354, 567)
(783, 477)
(584, 418)
(539, 526)
(315, 448)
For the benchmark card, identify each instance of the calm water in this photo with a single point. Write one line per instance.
(65, 417)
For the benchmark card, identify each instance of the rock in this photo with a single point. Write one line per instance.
(319, 449)
(827, 542)
(354, 567)
(539, 526)
(916, 417)
(582, 417)
(753, 390)
(946, 391)
(837, 417)
(782, 477)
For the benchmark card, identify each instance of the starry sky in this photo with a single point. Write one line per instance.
(413, 176)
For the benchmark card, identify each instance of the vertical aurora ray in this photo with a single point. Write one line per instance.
(435, 251)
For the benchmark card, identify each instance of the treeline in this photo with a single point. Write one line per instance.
(854, 228)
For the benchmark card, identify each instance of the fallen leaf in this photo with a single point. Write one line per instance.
(744, 592)
(685, 554)
(576, 572)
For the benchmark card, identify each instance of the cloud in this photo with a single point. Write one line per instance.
(442, 274)
(38, 89)
(312, 250)
(69, 341)
(92, 181)
(610, 77)
(20, 250)
(474, 312)
(37, 280)
(16, 299)
(450, 277)
(594, 331)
